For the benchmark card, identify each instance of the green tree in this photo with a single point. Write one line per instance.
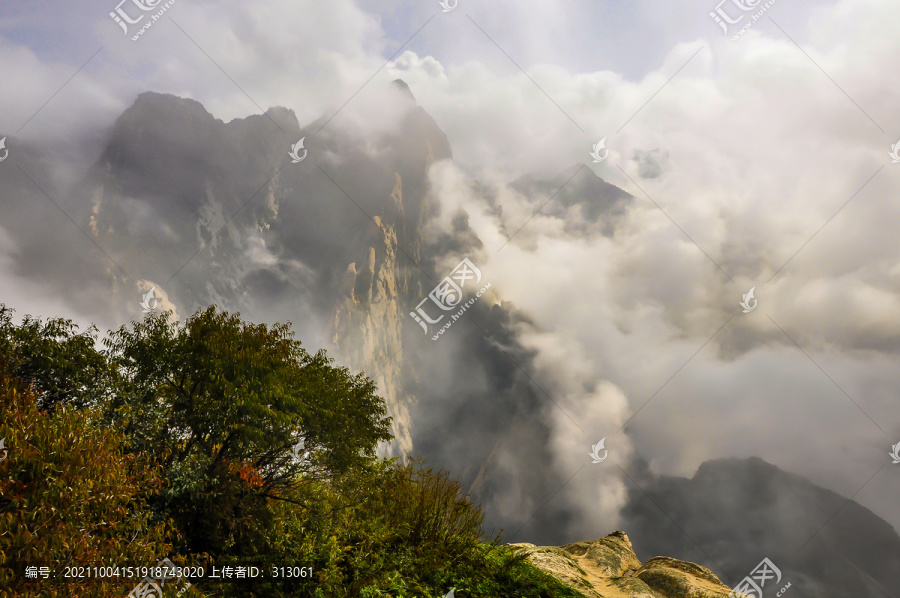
(63, 365)
(221, 402)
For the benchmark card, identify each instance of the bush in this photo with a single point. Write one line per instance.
(69, 496)
(397, 530)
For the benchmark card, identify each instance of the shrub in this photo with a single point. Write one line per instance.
(396, 530)
(69, 496)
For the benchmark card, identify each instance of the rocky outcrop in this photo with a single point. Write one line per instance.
(609, 568)
(380, 288)
(367, 323)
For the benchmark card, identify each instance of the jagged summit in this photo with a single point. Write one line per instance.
(149, 101)
(172, 110)
(609, 568)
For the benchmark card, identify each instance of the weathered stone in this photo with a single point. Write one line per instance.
(609, 568)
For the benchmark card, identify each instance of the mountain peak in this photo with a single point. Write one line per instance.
(160, 108)
(168, 110)
(742, 509)
(401, 85)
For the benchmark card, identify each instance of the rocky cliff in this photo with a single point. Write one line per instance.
(609, 568)
(379, 287)
(208, 211)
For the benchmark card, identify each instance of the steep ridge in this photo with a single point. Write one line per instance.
(741, 510)
(378, 288)
(207, 211)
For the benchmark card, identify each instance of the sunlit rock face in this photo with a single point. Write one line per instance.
(380, 286)
(609, 568)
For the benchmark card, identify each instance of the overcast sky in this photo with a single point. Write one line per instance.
(762, 162)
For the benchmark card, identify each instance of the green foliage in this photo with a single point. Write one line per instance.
(61, 364)
(221, 402)
(397, 530)
(191, 425)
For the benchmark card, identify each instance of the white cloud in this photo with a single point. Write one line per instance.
(763, 149)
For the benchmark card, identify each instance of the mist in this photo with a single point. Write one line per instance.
(614, 310)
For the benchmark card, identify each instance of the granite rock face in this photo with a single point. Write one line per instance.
(609, 568)
(385, 280)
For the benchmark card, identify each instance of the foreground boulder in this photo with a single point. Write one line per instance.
(609, 568)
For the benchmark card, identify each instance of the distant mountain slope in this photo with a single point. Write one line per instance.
(741, 510)
(586, 203)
